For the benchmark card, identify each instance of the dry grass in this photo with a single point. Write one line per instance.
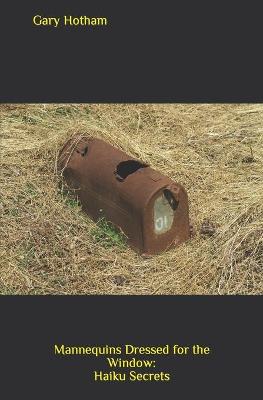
(47, 243)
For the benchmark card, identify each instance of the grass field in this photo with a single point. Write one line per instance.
(48, 246)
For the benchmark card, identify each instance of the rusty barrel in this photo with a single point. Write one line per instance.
(147, 206)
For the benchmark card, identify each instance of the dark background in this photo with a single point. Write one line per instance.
(30, 326)
(150, 52)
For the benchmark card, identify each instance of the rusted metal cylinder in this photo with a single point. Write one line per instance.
(150, 208)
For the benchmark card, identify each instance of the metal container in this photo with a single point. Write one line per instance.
(147, 206)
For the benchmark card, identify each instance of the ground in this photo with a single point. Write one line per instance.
(49, 246)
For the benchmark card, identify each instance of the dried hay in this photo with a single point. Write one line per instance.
(214, 150)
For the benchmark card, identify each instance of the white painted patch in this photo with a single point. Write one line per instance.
(163, 215)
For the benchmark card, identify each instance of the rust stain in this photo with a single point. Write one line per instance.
(150, 208)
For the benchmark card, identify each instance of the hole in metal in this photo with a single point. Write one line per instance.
(126, 168)
(170, 198)
(83, 152)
